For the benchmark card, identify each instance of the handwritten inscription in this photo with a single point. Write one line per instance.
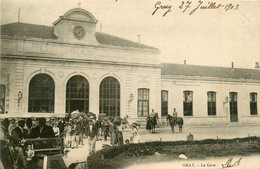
(229, 164)
(191, 7)
(159, 6)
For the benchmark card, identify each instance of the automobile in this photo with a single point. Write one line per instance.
(41, 153)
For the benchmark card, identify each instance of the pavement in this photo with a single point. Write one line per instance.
(80, 154)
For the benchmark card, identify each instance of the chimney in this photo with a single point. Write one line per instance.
(232, 65)
(184, 62)
(257, 65)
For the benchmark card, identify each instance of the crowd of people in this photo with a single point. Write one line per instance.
(71, 129)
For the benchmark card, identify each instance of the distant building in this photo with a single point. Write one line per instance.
(69, 66)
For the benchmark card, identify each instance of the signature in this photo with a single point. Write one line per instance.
(229, 164)
(158, 5)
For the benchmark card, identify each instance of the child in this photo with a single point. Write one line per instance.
(29, 152)
(135, 138)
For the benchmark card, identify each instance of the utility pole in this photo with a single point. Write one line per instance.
(19, 10)
(139, 38)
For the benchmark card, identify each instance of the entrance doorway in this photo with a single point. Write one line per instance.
(77, 94)
(233, 107)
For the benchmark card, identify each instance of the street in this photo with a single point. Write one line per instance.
(164, 134)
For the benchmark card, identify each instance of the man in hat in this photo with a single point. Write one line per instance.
(99, 126)
(174, 114)
(48, 122)
(105, 128)
(91, 132)
(61, 125)
(79, 130)
(119, 133)
(42, 130)
(12, 125)
(28, 125)
(18, 135)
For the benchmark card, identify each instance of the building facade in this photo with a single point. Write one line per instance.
(212, 95)
(69, 66)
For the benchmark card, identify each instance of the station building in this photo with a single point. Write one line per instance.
(70, 66)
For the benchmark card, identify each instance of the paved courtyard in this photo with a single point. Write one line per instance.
(199, 132)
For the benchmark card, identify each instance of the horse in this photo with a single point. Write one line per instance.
(151, 122)
(174, 121)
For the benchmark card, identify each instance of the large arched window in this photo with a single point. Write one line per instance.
(77, 94)
(109, 97)
(41, 94)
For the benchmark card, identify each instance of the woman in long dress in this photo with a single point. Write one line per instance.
(113, 137)
(135, 136)
(148, 123)
(119, 134)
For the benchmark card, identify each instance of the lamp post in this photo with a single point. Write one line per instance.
(20, 96)
(225, 101)
(131, 97)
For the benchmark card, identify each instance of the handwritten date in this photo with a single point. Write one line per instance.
(191, 7)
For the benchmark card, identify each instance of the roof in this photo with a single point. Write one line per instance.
(26, 30)
(208, 71)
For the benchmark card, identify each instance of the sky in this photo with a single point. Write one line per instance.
(211, 37)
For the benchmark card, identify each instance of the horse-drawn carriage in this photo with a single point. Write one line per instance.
(39, 153)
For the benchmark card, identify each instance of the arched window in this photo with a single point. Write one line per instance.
(41, 94)
(109, 97)
(77, 94)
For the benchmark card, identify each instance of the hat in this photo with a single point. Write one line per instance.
(92, 117)
(90, 121)
(134, 125)
(20, 120)
(13, 120)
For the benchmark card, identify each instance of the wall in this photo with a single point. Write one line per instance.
(132, 68)
(51, 49)
(200, 87)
